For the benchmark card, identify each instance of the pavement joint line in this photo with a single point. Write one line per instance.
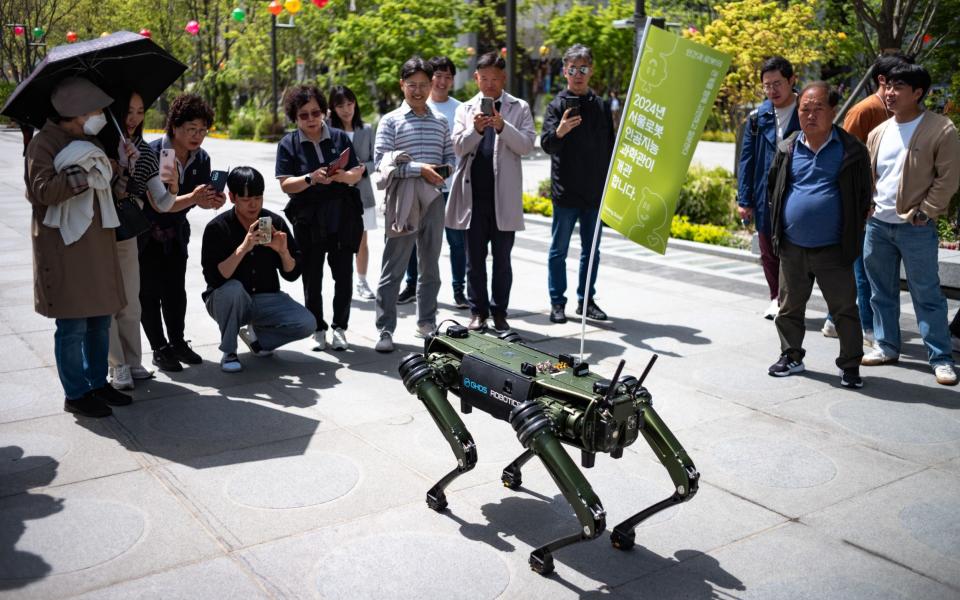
(894, 561)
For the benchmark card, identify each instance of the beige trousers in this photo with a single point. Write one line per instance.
(125, 326)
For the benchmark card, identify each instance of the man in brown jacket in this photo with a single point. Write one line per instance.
(77, 283)
(916, 166)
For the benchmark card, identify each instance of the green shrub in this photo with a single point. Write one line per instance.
(537, 205)
(243, 125)
(682, 229)
(719, 136)
(155, 120)
(543, 189)
(708, 196)
(6, 88)
(267, 130)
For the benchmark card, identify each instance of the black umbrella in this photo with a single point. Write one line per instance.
(118, 63)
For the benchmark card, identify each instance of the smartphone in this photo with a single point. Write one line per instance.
(265, 230)
(168, 160)
(339, 164)
(486, 106)
(443, 170)
(218, 180)
(573, 105)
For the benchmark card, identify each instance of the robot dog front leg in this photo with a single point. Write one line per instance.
(534, 430)
(681, 469)
(419, 378)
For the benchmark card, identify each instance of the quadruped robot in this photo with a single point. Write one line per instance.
(549, 401)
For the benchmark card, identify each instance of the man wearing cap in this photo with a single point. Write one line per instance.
(77, 281)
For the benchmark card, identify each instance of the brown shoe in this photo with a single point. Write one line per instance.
(477, 323)
(500, 324)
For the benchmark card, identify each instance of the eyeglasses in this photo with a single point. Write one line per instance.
(416, 86)
(192, 131)
(776, 85)
(313, 114)
(583, 70)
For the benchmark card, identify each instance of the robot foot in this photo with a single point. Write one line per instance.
(541, 562)
(436, 500)
(622, 541)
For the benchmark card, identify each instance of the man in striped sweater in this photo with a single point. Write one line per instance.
(424, 135)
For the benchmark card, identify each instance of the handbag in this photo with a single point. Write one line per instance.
(132, 220)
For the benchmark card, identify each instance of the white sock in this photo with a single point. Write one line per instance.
(361, 278)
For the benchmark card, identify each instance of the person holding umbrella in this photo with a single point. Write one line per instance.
(147, 187)
(77, 279)
(163, 249)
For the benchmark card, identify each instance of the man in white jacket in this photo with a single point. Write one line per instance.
(491, 132)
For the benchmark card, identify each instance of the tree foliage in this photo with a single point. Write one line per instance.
(593, 26)
(752, 30)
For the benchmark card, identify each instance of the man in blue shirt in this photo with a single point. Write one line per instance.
(819, 188)
(773, 120)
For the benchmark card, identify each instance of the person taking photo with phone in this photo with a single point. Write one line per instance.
(578, 135)
(244, 249)
(325, 206)
(491, 132)
(163, 249)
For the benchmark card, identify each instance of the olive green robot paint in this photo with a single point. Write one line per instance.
(549, 401)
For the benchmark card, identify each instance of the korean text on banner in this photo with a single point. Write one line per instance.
(672, 92)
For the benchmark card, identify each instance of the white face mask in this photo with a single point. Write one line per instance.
(94, 124)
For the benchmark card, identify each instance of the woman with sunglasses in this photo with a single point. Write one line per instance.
(324, 208)
(163, 249)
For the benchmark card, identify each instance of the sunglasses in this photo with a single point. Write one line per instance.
(313, 114)
(571, 71)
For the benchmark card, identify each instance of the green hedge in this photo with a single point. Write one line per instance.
(709, 196)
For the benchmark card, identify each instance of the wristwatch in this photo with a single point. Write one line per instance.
(921, 217)
(308, 179)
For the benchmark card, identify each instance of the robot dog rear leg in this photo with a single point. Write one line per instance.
(418, 376)
(511, 477)
(534, 430)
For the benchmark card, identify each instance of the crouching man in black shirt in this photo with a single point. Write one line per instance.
(243, 292)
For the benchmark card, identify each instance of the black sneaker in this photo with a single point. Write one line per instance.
(556, 314)
(89, 405)
(112, 396)
(850, 378)
(165, 360)
(185, 354)
(785, 366)
(594, 312)
(460, 301)
(408, 295)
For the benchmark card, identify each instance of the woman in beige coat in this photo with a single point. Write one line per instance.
(79, 283)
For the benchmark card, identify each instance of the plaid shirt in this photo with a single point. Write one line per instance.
(76, 179)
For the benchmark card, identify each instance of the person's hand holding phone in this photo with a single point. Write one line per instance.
(319, 177)
(278, 242)
(427, 172)
(568, 122)
(252, 239)
(481, 122)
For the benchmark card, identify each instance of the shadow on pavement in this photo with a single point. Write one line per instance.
(17, 567)
(535, 519)
(893, 390)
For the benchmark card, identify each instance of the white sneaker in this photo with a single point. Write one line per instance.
(868, 339)
(772, 310)
(229, 363)
(878, 357)
(338, 341)
(139, 372)
(320, 337)
(829, 329)
(425, 329)
(946, 374)
(120, 377)
(363, 290)
(248, 337)
(385, 343)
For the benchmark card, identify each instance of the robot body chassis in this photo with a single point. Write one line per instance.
(549, 401)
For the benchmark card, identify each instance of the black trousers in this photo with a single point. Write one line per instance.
(483, 232)
(341, 268)
(163, 293)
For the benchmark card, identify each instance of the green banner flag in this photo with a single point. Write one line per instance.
(672, 91)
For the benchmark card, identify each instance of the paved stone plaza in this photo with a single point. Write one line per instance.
(304, 476)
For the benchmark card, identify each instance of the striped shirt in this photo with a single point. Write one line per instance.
(146, 168)
(426, 139)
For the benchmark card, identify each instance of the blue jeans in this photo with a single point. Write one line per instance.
(886, 245)
(80, 348)
(276, 318)
(456, 239)
(561, 230)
